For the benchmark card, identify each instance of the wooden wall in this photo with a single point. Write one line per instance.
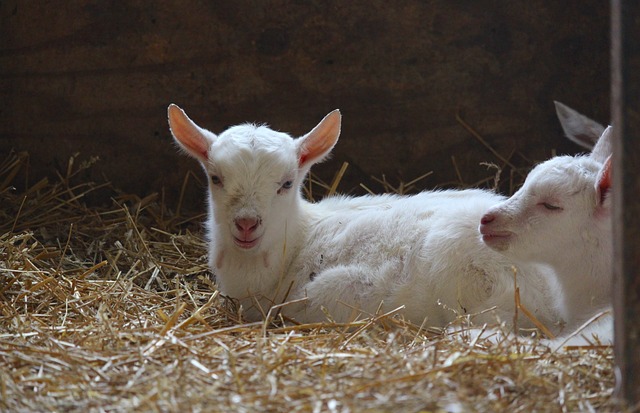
(96, 77)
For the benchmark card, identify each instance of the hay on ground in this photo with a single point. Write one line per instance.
(113, 309)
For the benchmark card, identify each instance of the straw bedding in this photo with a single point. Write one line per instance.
(113, 309)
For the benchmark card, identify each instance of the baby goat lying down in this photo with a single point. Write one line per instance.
(561, 217)
(346, 255)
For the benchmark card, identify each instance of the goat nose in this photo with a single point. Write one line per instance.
(487, 219)
(247, 225)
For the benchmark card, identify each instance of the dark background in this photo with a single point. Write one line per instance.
(96, 77)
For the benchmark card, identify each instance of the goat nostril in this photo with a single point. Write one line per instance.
(247, 224)
(487, 219)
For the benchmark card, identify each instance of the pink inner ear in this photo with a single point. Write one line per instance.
(195, 142)
(304, 157)
(187, 133)
(315, 146)
(314, 149)
(204, 154)
(317, 143)
(302, 160)
(604, 183)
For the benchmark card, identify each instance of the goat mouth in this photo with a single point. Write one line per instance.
(496, 239)
(245, 243)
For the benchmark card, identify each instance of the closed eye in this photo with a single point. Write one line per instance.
(550, 207)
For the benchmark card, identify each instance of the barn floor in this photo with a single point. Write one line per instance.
(111, 309)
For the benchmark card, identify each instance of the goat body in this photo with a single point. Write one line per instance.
(346, 255)
(421, 252)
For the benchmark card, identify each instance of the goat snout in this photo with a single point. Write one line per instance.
(487, 219)
(246, 234)
(247, 225)
(492, 234)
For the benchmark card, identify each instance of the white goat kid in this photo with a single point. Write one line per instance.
(257, 220)
(343, 254)
(562, 217)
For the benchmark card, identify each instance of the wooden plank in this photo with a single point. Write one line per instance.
(625, 100)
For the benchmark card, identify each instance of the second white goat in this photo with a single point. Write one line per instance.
(561, 217)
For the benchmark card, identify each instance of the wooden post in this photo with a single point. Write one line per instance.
(625, 105)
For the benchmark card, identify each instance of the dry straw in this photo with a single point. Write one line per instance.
(113, 309)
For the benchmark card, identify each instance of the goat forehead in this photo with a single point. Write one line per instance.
(251, 149)
(562, 176)
(256, 136)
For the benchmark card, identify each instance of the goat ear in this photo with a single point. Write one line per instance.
(603, 149)
(316, 145)
(603, 182)
(577, 127)
(189, 136)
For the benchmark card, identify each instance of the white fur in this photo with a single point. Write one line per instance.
(346, 255)
(561, 217)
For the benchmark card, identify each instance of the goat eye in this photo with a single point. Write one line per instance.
(285, 186)
(215, 179)
(551, 207)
